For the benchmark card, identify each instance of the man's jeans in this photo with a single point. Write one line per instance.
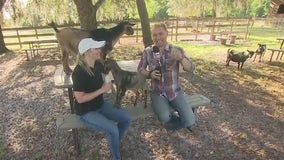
(111, 120)
(164, 109)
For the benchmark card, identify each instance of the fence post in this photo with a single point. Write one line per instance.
(247, 30)
(197, 26)
(172, 30)
(176, 28)
(137, 32)
(36, 33)
(231, 29)
(213, 35)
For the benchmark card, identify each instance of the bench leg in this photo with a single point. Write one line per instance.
(60, 149)
(271, 56)
(27, 55)
(76, 141)
(74, 131)
(278, 55)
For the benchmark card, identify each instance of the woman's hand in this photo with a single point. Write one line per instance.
(106, 87)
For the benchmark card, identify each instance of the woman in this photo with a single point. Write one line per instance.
(163, 61)
(89, 87)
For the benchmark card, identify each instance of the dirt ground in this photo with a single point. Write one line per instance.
(245, 120)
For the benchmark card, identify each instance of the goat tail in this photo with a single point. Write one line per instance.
(53, 25)
(228, 52)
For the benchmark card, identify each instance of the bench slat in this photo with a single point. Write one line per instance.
(70, 121)
(42, 48)
(275, 49)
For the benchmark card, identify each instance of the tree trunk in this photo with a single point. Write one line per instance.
(3, 48)
(87, 13)
(214, 9)
(145, 24)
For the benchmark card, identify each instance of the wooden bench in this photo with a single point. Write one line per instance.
(37, 45)
(276, 50)
(32, 51)
(70, 121)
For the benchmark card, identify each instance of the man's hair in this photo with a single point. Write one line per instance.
(163, 25)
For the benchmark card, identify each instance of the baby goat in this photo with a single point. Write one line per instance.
(260, 51)
(239, 57)
(126, 80)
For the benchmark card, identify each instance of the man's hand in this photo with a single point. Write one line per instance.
(176, 54)
(155, 74)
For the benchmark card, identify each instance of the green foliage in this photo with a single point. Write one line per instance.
(260, 7)
(117, 10)
(41, 12)
(3, 150)
(184, 8)
(161, 9)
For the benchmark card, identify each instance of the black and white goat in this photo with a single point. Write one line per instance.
(260, 52)
(125, 80)
(239, 57)
(69, 38)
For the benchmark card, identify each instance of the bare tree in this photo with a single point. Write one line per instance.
(3, 48)
(145, 24)
(87, 12)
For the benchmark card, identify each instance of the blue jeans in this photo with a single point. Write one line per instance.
(164, 109)
(111, 120)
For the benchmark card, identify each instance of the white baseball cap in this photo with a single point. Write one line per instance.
(88, 43)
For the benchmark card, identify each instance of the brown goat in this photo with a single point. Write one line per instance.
(69, 38)
(239, 57)
(126, 80)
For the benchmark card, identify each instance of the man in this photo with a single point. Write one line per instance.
(163, 60)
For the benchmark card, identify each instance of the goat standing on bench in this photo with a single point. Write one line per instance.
(239, 57)
(126, 80)
(260, 51)
(69, 38)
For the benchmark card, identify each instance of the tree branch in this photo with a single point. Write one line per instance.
(2, 2)
(98, 4)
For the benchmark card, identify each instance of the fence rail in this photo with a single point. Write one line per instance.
(180, 29)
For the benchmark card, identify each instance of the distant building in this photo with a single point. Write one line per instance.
(276, 9)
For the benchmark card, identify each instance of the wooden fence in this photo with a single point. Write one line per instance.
(179, 30)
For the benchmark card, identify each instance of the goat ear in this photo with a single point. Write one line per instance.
(126, 21)
(132, 24)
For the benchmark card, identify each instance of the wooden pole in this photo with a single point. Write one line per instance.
(176, 29)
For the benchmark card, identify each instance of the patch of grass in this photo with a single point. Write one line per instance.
(3, 151)
(34, 70)
(38, 156)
